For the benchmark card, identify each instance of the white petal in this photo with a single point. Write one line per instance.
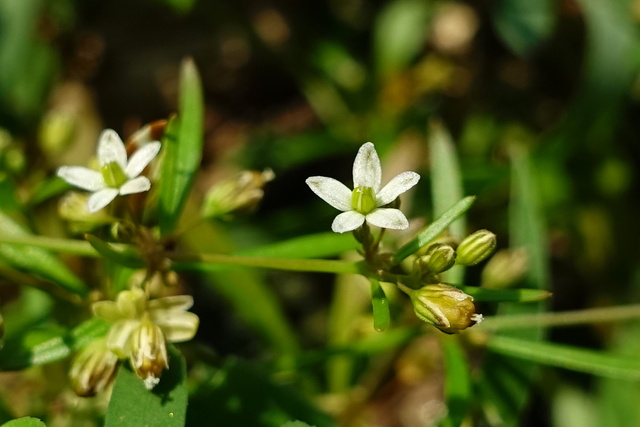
(101, 199)
(398, 185)
(118, 338)
(179, 327)
(367, 171)
(141, 158)
(331, 191)
(107, 310)
(111, 149)
(165, 306)
(87, 179)
(347, 221)
(136, 185)
(388, 218)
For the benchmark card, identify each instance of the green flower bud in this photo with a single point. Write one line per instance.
(505, 269)
(148, 353)
(476, 247)
(445, 307)
(73, 208)
(237, 195)
(439, 258)
(93, 368)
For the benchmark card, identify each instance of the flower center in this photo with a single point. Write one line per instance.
(113, 175)
(363, 200)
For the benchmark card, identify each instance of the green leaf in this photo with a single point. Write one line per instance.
(434, 229)
(524, 24)
(132, 405)
(37, 261)
(380, 303)
(126, 256)
(25, 422)
(40, 346)
(296, 424)
(506, 382)
(182, 145)
(457, 387)
(505, 295)
(568, 357)
(400, 33)
(446, 186)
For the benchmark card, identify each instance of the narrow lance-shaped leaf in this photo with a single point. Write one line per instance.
(434, 229)
(127, 256)
(37, 261)
(568, 357)
(458, 382)
(446, 186)
(182, 144)
(380, 303)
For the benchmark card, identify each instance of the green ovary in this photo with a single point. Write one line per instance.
(363, 200)
(113, 175)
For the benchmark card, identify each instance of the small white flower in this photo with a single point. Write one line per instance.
(118, 175)
(366, 201)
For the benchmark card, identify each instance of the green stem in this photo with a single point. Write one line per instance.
(68, 246)
(566, 318)
(214, 261)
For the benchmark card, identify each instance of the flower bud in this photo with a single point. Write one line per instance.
(93, 369)
(505, 269)
(439, 258)
(445, 307)
(148, 353)
(73, 208)
(476, 247)
(240, 194)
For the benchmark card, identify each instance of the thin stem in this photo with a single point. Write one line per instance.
(214, 261)
(68, 246)
(566, 318)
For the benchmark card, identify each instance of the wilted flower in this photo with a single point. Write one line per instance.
(118, 175)
(366, 202)
(445, 307)
(239, 194)
(141, 326)
(93, 368)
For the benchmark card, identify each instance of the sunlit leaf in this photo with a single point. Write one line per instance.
(132, 405)
(48, 344)
(25, 422)
(36, 260)
(182, 146)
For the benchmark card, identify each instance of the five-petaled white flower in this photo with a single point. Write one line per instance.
(117, 176)
(366, 201)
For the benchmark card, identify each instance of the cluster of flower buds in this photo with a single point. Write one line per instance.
(140, 330)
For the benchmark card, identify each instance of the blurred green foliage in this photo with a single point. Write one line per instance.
(539, 99)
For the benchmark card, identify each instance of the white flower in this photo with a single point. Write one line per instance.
(366, 201)
(117, 176)
(141, 327)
